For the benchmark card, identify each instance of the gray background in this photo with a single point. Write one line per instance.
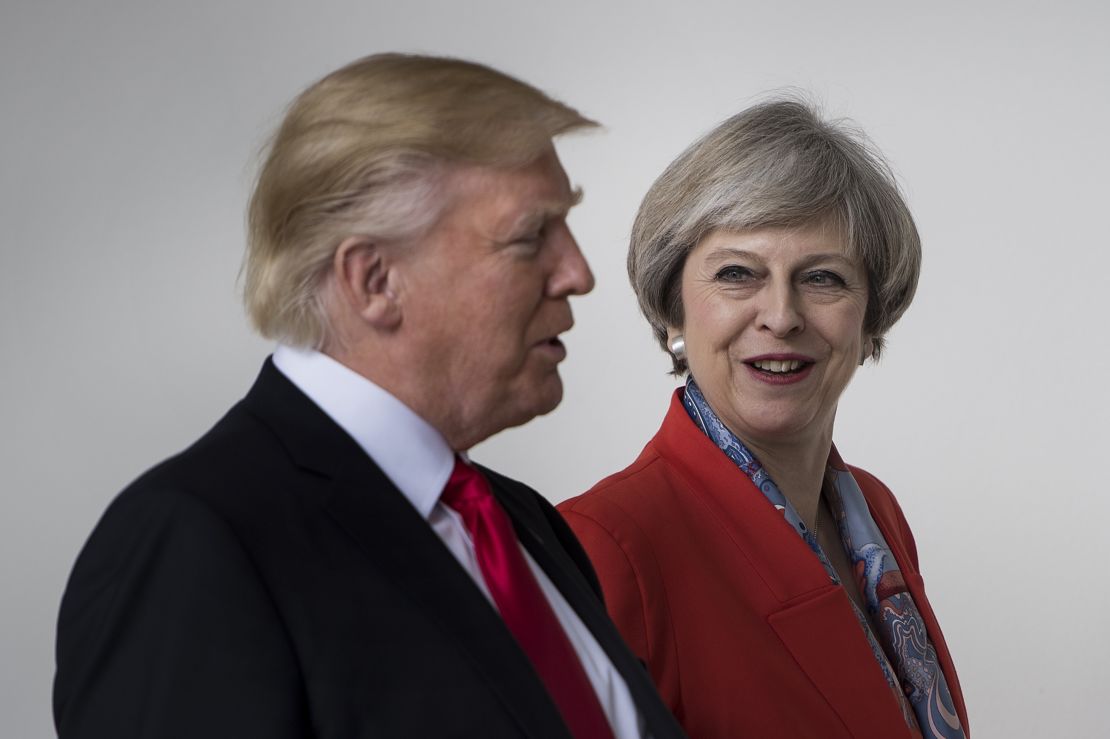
(129, 140)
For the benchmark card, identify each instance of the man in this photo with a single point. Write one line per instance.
(326, 562)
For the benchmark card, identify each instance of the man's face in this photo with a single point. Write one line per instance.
(485, 299)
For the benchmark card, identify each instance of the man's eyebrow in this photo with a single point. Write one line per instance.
(576, 196)
(546, 211)
(560, 207)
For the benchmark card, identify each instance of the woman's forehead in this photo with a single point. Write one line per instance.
(814, 241)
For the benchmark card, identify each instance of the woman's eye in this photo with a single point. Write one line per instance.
(823, 277)
(733, 273)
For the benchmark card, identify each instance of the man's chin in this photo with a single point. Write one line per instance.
(538, 400)
(553, 402)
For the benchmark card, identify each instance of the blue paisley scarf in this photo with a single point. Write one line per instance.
(893, 626)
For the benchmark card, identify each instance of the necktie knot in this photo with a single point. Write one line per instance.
(466, 487)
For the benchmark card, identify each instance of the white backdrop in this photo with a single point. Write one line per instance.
(128, 135)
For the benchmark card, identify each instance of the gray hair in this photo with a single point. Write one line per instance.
(776, 164)
(364, 152)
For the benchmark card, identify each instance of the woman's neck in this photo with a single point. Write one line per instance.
(798, 469)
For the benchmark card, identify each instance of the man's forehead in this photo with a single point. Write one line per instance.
(543, 174)
(540, 189)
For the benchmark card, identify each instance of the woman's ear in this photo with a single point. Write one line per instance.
(363, 275)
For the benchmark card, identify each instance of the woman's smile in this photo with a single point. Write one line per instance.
(780, 369)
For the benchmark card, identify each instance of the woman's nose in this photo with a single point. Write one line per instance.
(779, 311)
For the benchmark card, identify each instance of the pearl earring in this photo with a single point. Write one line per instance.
(678, 347)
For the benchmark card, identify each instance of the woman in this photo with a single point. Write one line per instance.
(771, 590)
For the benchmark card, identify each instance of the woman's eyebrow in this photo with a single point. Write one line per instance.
(725, 252)
(827, 257)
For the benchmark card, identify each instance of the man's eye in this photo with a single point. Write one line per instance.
(533, 238)
(823, 277)
(732, 273)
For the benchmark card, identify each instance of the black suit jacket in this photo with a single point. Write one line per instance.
(271, 582)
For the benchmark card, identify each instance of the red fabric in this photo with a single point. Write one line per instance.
(741, 629)
(522, 604)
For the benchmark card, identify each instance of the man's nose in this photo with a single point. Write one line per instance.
(572, 274)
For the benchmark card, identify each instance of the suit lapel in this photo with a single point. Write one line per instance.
(541, 542)
(400, 545)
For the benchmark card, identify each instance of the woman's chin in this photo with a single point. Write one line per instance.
(775, 427)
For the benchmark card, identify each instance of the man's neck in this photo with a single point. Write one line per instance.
(439, 407)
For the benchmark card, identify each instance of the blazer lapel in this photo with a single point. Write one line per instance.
(916, 586)
(814, 619)
(823, 635)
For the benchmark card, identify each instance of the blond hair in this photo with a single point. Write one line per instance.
(362, 152)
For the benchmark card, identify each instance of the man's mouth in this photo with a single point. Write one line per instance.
(552, 348)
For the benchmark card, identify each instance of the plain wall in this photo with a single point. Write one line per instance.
(128, 141)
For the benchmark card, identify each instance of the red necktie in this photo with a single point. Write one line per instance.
(522, 604)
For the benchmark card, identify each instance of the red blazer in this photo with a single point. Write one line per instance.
(741, 629)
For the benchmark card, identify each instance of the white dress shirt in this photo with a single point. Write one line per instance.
(416, 458)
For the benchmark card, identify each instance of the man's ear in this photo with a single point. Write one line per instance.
(362, 271)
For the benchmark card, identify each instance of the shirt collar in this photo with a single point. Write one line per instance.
(409, 450)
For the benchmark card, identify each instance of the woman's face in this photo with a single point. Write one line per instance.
(774, 328)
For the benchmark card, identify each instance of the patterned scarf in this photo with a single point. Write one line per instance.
(895, 629)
